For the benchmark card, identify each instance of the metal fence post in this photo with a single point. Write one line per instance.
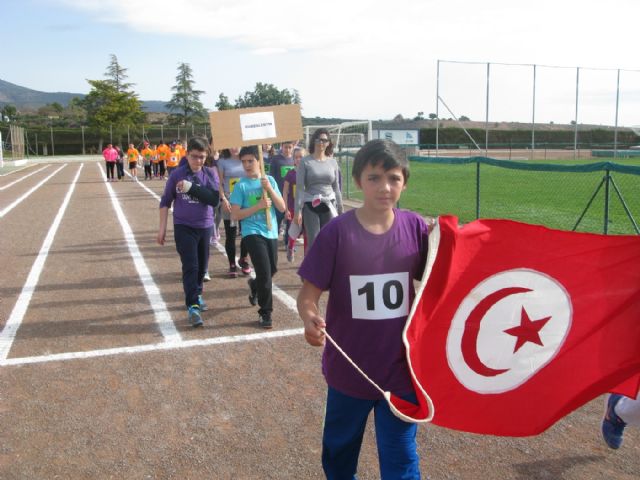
(606, 201)
(477, 188)
(53, 147)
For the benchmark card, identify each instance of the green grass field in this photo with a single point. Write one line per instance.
(554, 199)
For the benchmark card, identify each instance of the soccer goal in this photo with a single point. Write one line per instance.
(345, 135)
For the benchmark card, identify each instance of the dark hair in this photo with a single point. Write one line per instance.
(198, 143)
(376, 152)
(312, 141)
(252, 150)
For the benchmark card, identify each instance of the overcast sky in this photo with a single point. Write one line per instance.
(364, 59)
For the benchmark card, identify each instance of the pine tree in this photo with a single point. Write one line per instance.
(116, 74)
(185, 103)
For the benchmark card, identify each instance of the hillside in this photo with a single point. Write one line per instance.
(25, 99)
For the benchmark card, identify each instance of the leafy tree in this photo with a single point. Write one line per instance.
(265, 94)
(116, 74)
(419, 116)
(398, 118)
(9, 112)
(223, 103)
(107, 108)
(432, 116)
(111, 105)
(185, 102)
(51, 109)
(464, 118)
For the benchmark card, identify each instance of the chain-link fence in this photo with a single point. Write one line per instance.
(84, 140)
(599, 197)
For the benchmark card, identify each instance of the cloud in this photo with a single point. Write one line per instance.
(262, 27)
(383, 54)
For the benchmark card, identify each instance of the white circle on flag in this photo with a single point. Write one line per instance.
(487, 359)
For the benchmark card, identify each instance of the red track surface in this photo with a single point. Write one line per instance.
(210, 407)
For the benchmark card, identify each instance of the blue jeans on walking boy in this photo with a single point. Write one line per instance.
(344, 425)
(192, 245)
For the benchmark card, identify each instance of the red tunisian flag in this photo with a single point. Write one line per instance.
(516, 325)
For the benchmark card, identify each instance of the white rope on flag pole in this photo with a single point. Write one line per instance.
(386, 395)
(333, 342)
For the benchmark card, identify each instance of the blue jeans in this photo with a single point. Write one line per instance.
(192, 245)
(344, 426)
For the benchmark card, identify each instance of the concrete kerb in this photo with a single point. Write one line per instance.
(65, 159)
(13, 166)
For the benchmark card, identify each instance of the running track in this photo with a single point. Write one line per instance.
(101, 377)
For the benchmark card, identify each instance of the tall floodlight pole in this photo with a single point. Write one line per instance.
(615, 132)
(533, 116)
(575, 120)
(437, 108)
(82, 129)
(486, 118)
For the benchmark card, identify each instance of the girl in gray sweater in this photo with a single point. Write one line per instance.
(318, 197)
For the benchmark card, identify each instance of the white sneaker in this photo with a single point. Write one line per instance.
(206, 277)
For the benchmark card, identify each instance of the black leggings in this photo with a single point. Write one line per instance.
(230, 242)
(264, 256)
(110, 169)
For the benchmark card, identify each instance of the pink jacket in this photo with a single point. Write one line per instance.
(110, 154)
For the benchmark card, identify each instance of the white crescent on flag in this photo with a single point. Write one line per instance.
(506, 329)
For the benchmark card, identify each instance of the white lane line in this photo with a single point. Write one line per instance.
(20, 199)
(162, 315)
(153, 347)
(11, 172)
(280, 294)
(284, 297)
(151, 192)
(22, 178)
(8, 334)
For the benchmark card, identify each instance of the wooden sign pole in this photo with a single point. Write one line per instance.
(264, 192)
(255, 126)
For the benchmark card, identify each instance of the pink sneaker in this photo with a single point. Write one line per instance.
(244, 265)
(233, 271)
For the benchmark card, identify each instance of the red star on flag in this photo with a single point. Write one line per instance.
(527, 331)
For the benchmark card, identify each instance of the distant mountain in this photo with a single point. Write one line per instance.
(26, 99)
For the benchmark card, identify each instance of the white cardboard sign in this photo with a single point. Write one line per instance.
(257, 125)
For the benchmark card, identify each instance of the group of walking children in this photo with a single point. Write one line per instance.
(158, 161)
(359, 253)
(355, 256)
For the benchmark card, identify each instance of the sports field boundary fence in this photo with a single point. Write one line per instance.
(601, 197)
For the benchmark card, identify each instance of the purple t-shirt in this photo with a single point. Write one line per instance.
(280, 165)
(291, 199)
(188, 210)
(370, 282)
